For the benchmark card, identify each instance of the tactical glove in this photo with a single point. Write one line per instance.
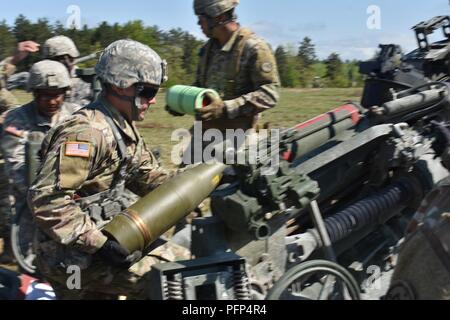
(215, 110)
(116, 255)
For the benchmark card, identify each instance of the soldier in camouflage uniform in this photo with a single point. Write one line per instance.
(89, 160)
(236, 63)
(26, 126)
(63, 49)
(423, 268)
(7, 102)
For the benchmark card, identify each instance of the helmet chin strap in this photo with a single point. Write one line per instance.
(136, 104)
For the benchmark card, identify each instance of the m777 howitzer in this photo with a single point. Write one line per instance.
(324, 224)
(320, 218)
(330, 203)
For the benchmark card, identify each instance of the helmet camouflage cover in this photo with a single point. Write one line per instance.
(127, 62)
(214, 8)
(60, 46)
(48, 74)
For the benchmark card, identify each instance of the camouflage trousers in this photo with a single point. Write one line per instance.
(103, 282)
(423, 269)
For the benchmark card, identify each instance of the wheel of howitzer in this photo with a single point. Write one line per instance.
(316, 280)
(22, 234)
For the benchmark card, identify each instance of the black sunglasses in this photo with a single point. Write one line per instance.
(146, 91)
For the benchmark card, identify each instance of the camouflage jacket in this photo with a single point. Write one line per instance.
(80, 92)
(6, 70)
(7, 100)
(82, 159)
(245, 74)
(19, 125)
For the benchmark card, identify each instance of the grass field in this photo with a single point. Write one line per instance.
(296, 106)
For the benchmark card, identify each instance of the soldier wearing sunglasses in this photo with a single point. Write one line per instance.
(89, 161)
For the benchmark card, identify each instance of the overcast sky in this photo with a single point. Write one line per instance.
(334, 25)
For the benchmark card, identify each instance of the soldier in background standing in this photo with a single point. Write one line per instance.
(236, 63)
(7, 102)
(24, 130)
(63, 49)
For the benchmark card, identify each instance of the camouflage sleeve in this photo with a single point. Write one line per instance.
(81, 93)
(264, 76)
(150, 175)
(74, 153)
(7, 68)
(7, 100)
(13, 148)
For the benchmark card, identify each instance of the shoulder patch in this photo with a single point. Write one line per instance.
(14, 131)
(267, 67)
(77, 149)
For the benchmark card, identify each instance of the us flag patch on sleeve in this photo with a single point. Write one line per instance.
(78, 149)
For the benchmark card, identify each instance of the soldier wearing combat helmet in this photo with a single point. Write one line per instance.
(89, 160)
(63, 49)
(8, 102)
(237, 64)
(25, 127)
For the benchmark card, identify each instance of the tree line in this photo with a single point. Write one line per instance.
(298, 67)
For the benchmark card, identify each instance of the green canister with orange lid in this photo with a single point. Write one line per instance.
(188, 99)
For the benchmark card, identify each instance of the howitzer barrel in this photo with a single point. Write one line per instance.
(316, 132)
(412, 102)
(92, 56)
(144, 222)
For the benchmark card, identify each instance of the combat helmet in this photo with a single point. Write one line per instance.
(48, 74)
(214, 8)
(127, 62)
(60, 46)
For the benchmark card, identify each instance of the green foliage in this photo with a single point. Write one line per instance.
(336, 76)
(298, 65)
(303, 69)
(7, 40)
(178, 47)
(307, 52)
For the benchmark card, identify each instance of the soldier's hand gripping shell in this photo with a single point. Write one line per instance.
(118, 256)
(215, 110)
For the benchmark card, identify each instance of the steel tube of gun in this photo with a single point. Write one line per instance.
(143, 223)
(316, 132)
(412, 102)
(92, 56)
